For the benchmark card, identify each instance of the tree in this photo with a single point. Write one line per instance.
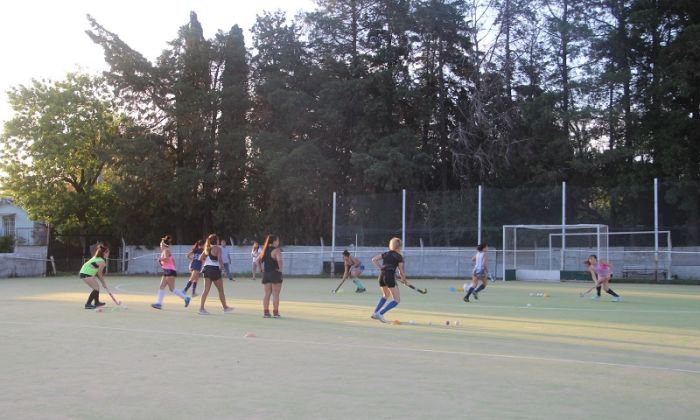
(57, 150)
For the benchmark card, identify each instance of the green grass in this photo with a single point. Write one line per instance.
(562, 356)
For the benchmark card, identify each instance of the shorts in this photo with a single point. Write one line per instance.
(169, 273)
(83, 275)
(480, 273)
(273, 277)
(387, 280)
(212, 272)
(356, 271)
(196, 265)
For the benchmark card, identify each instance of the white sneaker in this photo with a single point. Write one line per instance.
(378, 317)
(595, 297)
(203, 312)
(228, 310)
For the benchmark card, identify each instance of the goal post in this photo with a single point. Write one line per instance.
(551, 252)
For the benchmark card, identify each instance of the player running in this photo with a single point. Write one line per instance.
(195, 267)
(167, 262)
(479, 273)
(391, 261)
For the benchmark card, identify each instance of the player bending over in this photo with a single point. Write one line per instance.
(600, 274)
(353, 268)
(94, 268)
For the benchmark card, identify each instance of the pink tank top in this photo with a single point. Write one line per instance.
(168, 264)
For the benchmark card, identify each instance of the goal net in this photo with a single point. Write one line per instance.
(551, 252)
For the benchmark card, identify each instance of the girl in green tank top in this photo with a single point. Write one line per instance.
(92, 271)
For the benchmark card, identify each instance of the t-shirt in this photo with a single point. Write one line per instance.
(390, 262)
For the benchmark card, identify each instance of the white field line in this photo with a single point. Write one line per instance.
(370, 347)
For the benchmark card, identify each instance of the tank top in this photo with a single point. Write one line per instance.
(479, 262)
(212, 260)
(270, 264)
(602, 269)
(168, 263)
(91, 267)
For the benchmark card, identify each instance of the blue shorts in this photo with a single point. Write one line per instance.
(196, 265)
(479, 273)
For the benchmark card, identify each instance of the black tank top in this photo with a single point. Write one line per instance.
(270, 264)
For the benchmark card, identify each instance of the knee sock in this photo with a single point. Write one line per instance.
(97, 296)
(389, 306)
(91, 297)
(597, 289)
(161, 295)
(179, 293)
(480, 288)
(469, 292)
(189, 283)
(381, 303)
(194, 288)
(358, 283)
(610, 292)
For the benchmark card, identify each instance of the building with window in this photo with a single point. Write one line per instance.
(29, 239)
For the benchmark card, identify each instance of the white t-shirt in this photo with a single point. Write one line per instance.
(224, 254)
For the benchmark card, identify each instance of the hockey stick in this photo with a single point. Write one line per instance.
(338, 288)
(421, 291)
(589, 290)
(117, 302)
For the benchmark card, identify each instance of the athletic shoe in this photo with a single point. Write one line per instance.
(595, 297)
(466, 298)
(276, 315)
(361, 290)
(98, 304)
(228, 310)
(380, 317)
(267, 315)
(89, 306)
(187, 301)
(374, 316)
(476, 295)
(156, 306)
(203, 312)
(616, 299)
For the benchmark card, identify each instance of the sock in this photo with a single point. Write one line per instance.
(97, 296)
(389, 306)
(597, 289)
(161, 295)
(358, 283)
(381, 303)
(194, 288)
(610, 292)
(179, 293)
(480, 288)
(91, 297)
(189, 283)
(469, 292)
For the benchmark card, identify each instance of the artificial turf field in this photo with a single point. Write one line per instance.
(562, 357)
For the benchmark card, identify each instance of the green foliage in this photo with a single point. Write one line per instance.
(7, 244)
(57, 149)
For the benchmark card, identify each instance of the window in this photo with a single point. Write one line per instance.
(8, 225)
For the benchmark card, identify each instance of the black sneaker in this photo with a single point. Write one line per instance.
(89, 306)
(267, 315)
(98, 304)
(476, 296)
(361, 290)
(466, 299)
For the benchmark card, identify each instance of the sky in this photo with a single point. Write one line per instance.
(45, 39)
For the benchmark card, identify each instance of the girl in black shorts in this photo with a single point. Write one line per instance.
(211, 258)
(272, 262)
(391, 261)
